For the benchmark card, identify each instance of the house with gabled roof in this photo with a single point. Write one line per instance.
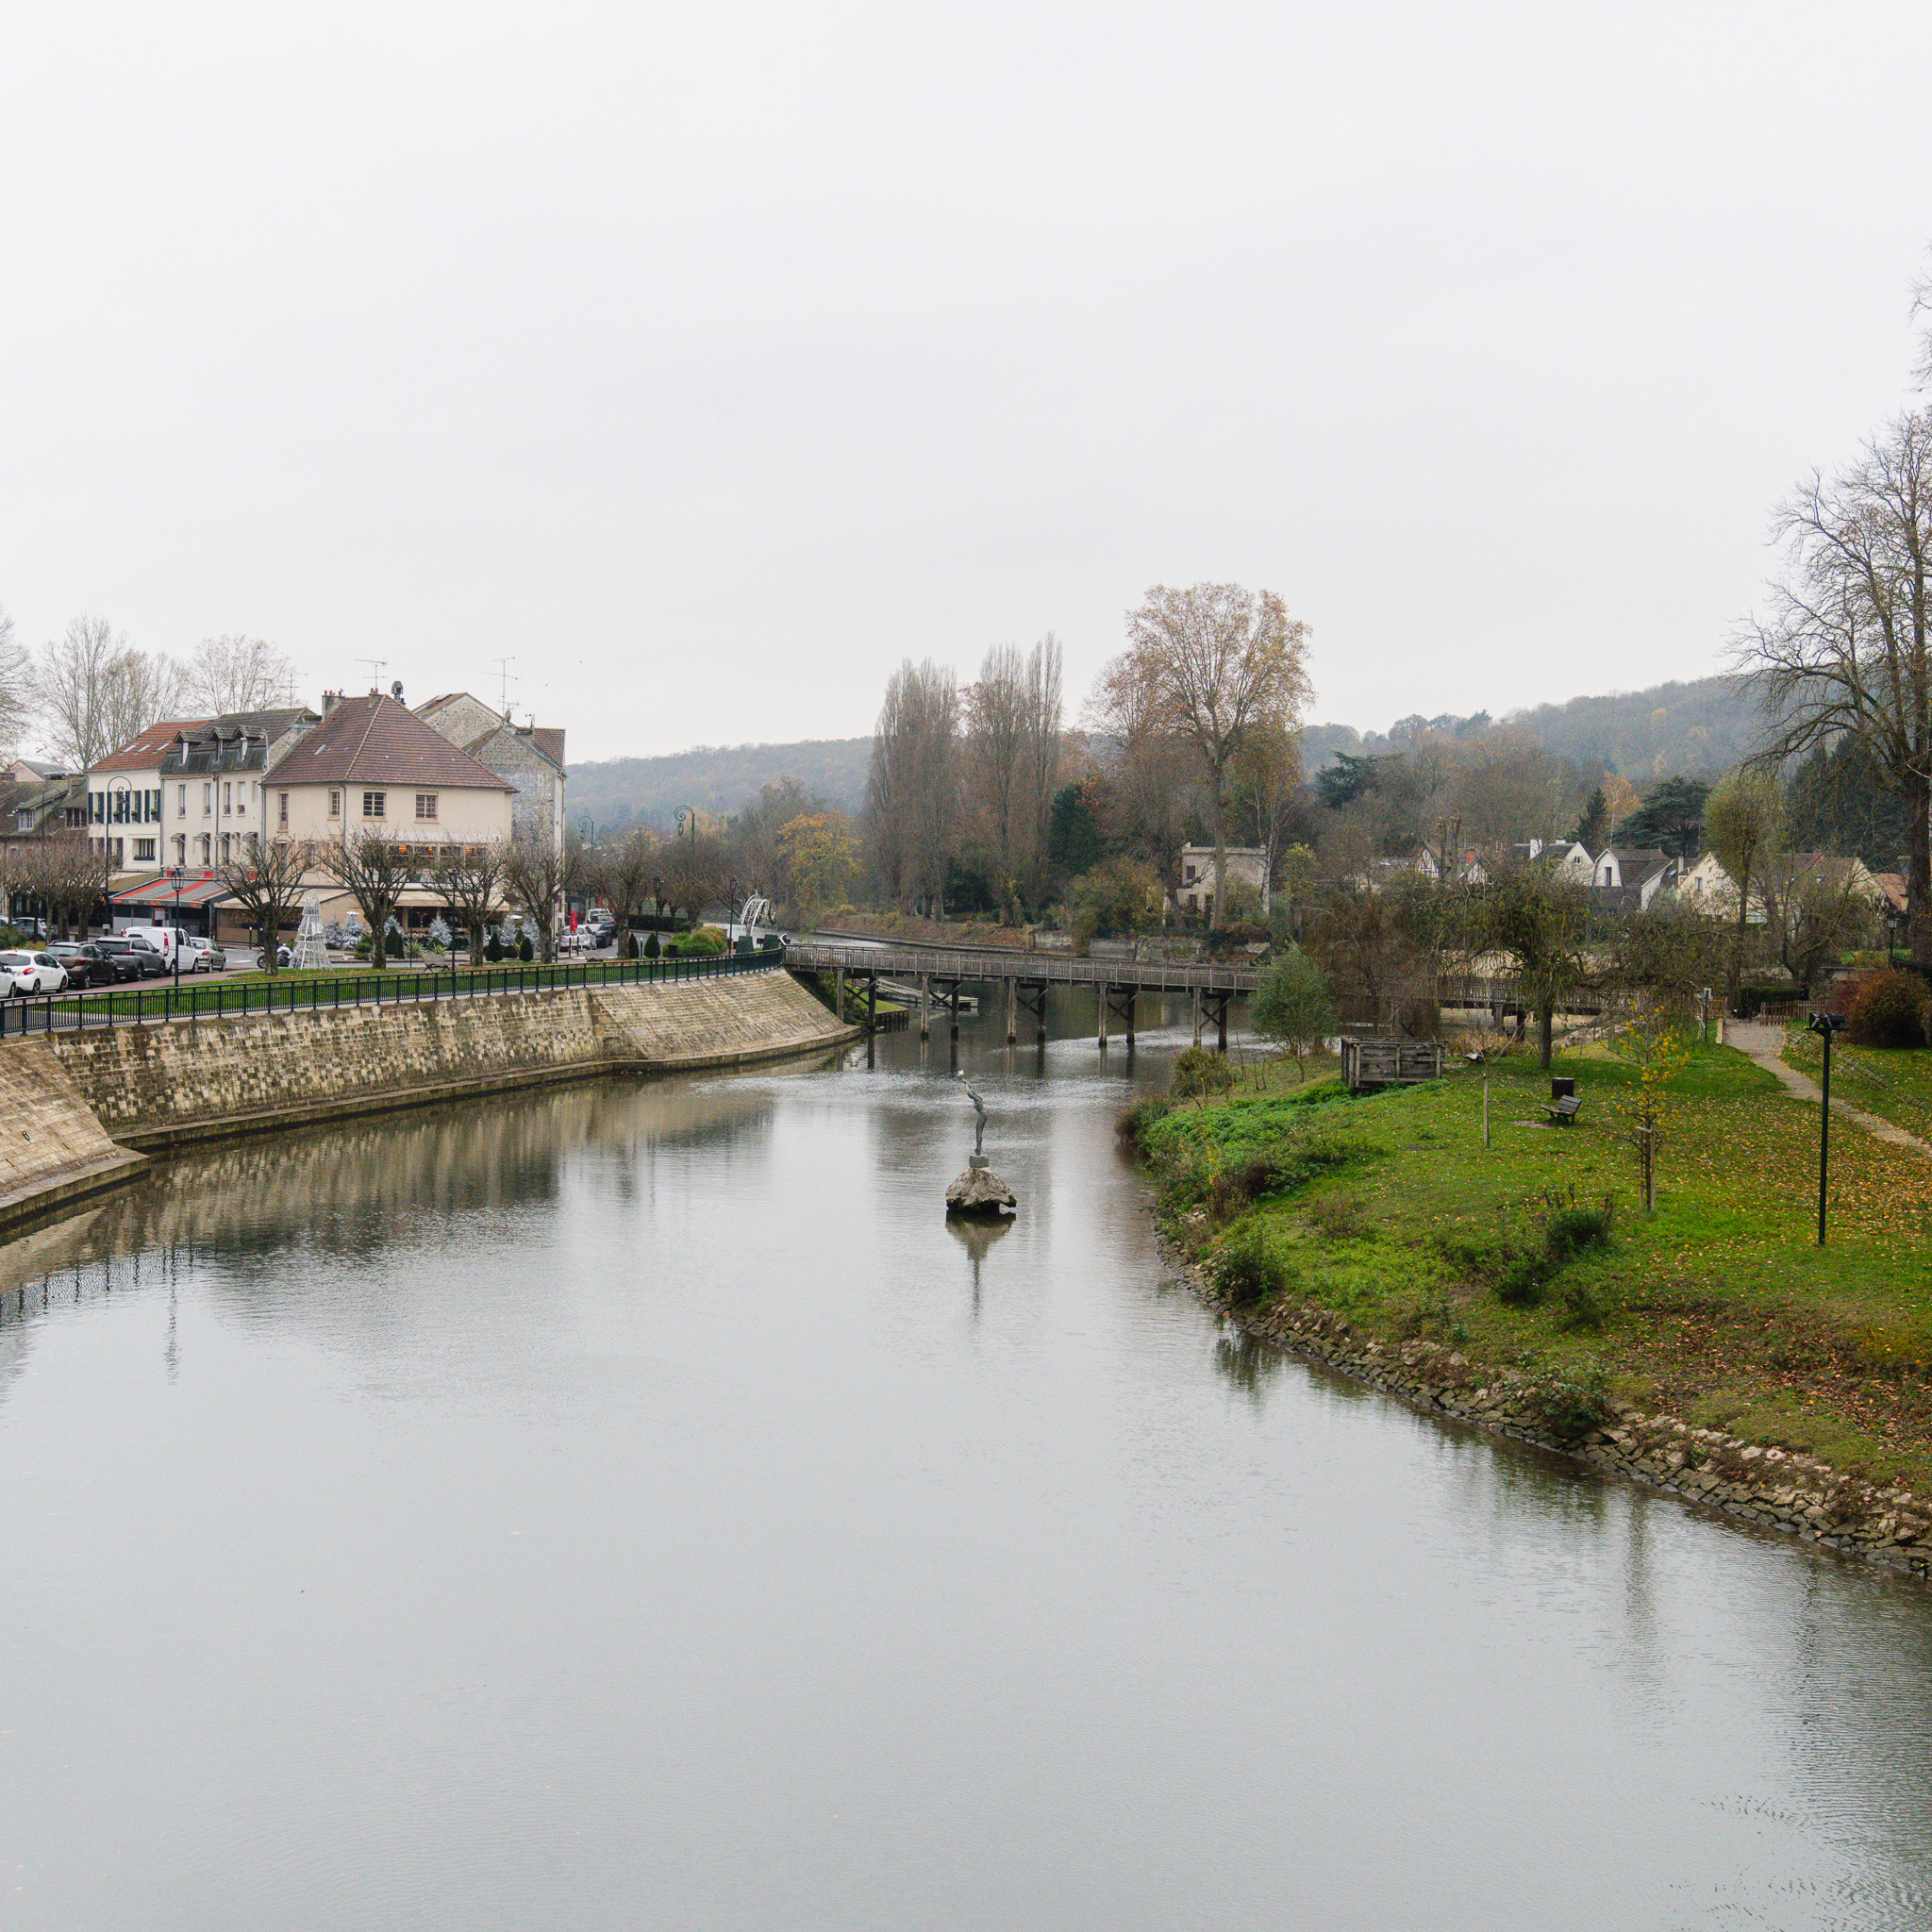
(529, 756)
(373, 764)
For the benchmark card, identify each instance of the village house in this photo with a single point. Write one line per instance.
(529, 756)
(1246, 865)
(124, 802)
(1628, 878)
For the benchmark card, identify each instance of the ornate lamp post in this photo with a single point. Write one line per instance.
(175, 880)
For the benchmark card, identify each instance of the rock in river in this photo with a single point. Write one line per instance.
(979, 1191)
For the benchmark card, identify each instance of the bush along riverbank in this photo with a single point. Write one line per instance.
(1710, 1346)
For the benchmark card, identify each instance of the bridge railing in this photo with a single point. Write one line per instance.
(1049, 969)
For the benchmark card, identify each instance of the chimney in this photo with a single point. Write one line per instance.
(330, 699)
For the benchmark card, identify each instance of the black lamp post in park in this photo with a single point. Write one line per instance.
(1824, 1025)
(1895, 924)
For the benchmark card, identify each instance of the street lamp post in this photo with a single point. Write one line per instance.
(116, 788)
(175, 880)
(1824, 1025)
(1894, 919)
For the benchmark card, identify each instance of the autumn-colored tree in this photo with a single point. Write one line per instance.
(816, 860)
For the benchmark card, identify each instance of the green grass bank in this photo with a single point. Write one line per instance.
(1529, 1265)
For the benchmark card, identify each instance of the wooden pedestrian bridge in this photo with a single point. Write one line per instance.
(1022, 981)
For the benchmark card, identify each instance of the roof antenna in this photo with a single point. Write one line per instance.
(503, 672)
(376, 664)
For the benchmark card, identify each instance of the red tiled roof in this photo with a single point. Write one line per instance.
(550, 743)
(141, 753)
(376, 740)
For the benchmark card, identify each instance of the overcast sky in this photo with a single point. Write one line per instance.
(709, 360)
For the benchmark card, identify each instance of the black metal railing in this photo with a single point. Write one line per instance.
(160, 1004)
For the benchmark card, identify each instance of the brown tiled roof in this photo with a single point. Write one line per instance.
(375, 740)
(140, 753)
(550, 743)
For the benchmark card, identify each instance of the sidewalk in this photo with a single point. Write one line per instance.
(1761, 1042)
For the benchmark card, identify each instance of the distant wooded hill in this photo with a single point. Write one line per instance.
(716, 779)
(1699, 729)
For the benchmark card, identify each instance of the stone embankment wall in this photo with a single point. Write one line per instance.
(1776, 1488)
(153, 1086)
(53, 1149)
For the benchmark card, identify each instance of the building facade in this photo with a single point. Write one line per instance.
(528, 756)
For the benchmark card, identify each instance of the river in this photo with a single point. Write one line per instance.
(633, 1506)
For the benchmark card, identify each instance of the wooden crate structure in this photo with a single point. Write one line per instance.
(1390, 1062)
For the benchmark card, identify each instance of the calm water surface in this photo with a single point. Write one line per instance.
(634, 1506)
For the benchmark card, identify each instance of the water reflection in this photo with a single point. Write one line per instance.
(638, 1505)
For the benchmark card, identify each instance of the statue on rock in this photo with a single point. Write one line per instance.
(978, 1191)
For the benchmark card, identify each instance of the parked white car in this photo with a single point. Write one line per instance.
(33, 972)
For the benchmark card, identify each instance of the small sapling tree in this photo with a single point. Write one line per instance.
(1291, 1006)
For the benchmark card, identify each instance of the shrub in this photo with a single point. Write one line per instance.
(1887, 1008)
(364, 946)
(1135, 1120)
(1522, 1279)
(1198, 1073)
(1575, 1227)
(527, 951)
(1246, 1267)
(1569, 1406)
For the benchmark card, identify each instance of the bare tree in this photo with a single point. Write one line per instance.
(61, 869)
(375, 868)
(694, 869)
(268, 882)
(16, 688)
(1845, 645)
(1214, 663)
(1744, 822)
(623, 874)
(912, 796)
(95, 692)
(237, 673)
(1041, 757)
(537, 873)
(996, 712)
(469, 879)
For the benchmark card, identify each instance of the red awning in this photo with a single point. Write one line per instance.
(197, 888)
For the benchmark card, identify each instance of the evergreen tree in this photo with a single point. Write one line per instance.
(1593, 828)
(1670, 818)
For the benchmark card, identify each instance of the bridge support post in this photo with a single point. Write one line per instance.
(1133, 1000)
(1197, 1016)
(839, 992)
(1103, 1000)
(1221, 1025)
(1013, 1010)
(925, 1006)
(871, 1004)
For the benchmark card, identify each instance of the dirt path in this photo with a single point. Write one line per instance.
(1763, 1043)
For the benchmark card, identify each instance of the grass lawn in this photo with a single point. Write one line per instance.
(1895, 1083)
(1720, 1308)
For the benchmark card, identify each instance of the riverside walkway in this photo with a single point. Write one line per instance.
(1023, 980)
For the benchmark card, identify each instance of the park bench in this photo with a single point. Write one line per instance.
(1563, 1111)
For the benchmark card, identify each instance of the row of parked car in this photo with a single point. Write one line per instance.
(111, 960)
